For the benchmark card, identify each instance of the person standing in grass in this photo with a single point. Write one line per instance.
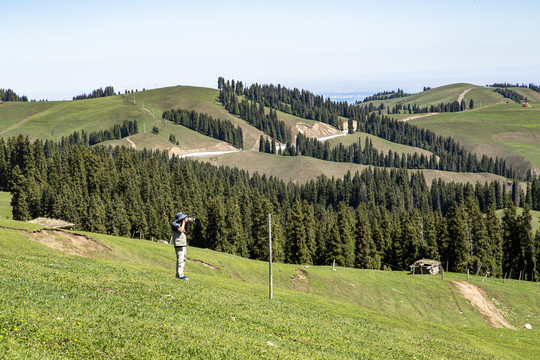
(179, 240)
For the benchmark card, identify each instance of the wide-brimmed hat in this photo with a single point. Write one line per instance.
(180, 216)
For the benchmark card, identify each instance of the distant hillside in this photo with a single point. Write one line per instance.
(507, 130)
(490, 128)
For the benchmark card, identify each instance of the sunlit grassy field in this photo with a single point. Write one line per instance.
(124, 302)
(5, 205)
(509, 131)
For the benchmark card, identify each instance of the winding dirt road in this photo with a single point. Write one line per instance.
(462, 95)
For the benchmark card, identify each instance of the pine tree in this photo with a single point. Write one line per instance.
(261, 144)
(411, 238)
(480, 249)
(537, 244)
(494, 257)
(458, 238)
(527, 245)
(345, 223)
(19, 200)
(296, 240)
(510, 238)
(259, 247)
(216, 230)
(366, 256)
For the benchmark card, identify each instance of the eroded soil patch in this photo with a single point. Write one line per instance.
(480, 301)
(300, 280)
(204, 263)
(73, 244)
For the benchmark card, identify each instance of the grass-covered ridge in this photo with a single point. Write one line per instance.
(509, 131)
(124, 302)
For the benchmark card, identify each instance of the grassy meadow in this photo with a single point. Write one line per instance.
(509, 131)
(5, 205)
(534, 214)
(121, 300)
(203, 100)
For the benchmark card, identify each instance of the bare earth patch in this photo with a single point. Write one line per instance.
(316, 130)
(204, 263)
(73, 244)
(480, 301)
(462, 95)
(223, 146)
(417, 116)
(300, 280)
(133, 145)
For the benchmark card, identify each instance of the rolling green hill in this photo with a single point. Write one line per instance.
(5, 205)
(96, 296)
(496, 126)
(509, 131)
(445, 94)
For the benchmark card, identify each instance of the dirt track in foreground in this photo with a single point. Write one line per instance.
(480, 301)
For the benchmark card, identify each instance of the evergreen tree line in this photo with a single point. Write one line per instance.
(10, 95)
(415, 109)
(117, 132)
(97, 93)
(374, 219)
(508, 85)
(253, 112)
(354, 153)
(386, 95)
(267, 146)
(511, 94)
(205, 124)
(301, 103)
(453, 106)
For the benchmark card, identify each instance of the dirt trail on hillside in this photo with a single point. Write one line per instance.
(16, 123)
(417, 116)
(480, 301)
(133, 145)
(462, 95)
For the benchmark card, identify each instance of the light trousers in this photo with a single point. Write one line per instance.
(181, 256)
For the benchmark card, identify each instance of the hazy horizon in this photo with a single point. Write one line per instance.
(60, 49)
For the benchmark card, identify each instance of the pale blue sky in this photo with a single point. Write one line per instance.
(57, 49)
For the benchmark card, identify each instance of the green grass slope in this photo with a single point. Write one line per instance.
(203, 100)
(52, 120)
(5, 205)
(122, 301)
(535, 223)
(508, 131)
(300, 169)
(435, 96)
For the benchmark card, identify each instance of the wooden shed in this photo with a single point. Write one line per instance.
(425, 266)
